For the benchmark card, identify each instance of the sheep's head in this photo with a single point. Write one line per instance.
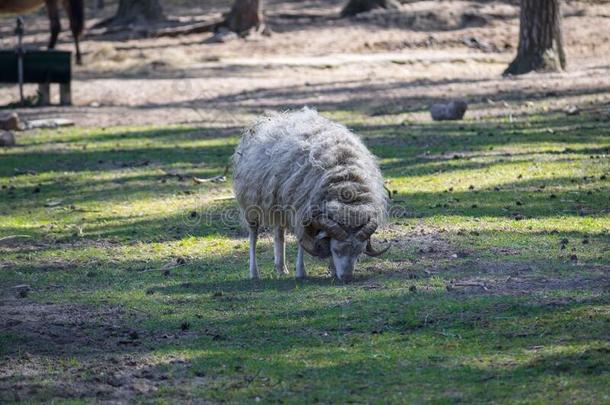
(343, 244)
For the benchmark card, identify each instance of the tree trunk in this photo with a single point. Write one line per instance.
(244, 16)
(354, 7)
(138, 12)
(540, 39)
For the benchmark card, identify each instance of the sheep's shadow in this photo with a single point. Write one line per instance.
(286, 283)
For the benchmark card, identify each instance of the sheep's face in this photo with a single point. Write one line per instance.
(345, 254)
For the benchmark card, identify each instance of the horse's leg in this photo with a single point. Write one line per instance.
(79, 60)
(53, 12)
(75, 10)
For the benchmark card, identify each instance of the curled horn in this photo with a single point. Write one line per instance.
(367, 230)
(370, 251)
(330, 226)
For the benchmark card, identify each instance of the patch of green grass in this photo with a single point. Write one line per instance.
(496, 289)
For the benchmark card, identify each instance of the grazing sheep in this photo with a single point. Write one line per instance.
(302, 172)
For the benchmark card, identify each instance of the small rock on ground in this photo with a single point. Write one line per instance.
(453, 110)
(10, 122)
(7, 138)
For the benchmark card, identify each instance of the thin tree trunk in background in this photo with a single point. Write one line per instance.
(354, 7)
(540, 39)
(245, 15)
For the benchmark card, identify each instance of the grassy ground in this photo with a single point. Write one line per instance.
(496, 289)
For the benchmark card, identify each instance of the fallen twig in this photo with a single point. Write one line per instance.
(216, 179)
(221, 178)
(10, 237)
(187, 30)
(162, 269)
(449, 335)
(470, 284)
(19, 172)
(48, 123)
(225, 198)
(54, 203)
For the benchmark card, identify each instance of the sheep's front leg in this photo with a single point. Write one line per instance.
(279, 250)
(253, 266)
(331, 268)
(300, 262)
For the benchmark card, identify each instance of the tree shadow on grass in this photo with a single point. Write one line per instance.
(433, 136)
(114, 159)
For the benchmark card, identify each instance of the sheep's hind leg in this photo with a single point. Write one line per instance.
(279, 250)
(300, 267)
(253, 237)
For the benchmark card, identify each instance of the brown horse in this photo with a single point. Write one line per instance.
(74, 8)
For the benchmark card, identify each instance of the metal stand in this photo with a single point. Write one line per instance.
(41, 67)
(65, 94)
(20, 51)
(44, 94)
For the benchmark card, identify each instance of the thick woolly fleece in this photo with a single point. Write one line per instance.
(292, 166)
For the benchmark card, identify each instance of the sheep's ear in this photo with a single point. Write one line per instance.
(310, 230)
(315, 241)
(322, 244)
(309, 244)
(308, 240)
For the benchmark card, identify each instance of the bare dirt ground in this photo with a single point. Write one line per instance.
(112, 364)
(380, 62)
